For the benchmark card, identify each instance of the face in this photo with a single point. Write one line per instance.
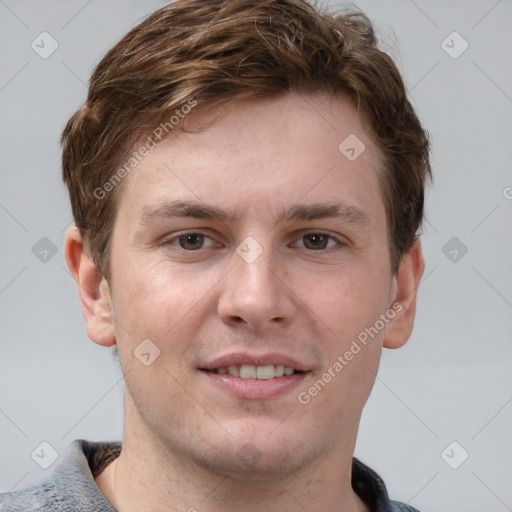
(253, 248)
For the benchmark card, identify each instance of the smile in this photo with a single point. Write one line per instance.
(249, 371)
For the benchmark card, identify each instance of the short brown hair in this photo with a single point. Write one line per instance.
(241, 50)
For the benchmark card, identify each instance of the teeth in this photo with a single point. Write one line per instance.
(233, 370)
(249, 371)
(265, 372)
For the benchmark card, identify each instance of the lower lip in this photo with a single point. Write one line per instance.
(255, 389)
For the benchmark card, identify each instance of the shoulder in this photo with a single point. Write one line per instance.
(42, 497)
(371, 489)
(71, 486)
(396, 506)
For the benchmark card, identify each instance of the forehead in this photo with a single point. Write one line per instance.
(265, 155)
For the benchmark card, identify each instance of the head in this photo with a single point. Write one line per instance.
(217, 124)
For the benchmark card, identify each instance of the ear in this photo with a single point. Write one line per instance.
(406, 282)
(93, 290)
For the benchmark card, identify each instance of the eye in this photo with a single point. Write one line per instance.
(317, 241)
(191, 241)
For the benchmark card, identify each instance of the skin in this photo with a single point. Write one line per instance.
(182, 433)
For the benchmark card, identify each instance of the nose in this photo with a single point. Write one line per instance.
(256, 295)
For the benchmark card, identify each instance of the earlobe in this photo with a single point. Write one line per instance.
(405, 290)
(93, 290)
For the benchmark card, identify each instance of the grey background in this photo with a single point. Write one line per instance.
(451, 382)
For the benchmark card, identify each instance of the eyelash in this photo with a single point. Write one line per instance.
(174, 241)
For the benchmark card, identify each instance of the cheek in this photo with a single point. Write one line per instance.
(341, 388)
(347, 302)
(350, 306)
(154, 298)
(165, 306)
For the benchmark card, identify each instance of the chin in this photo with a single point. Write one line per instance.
(257, 458)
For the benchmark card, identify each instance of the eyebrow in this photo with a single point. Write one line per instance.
(345, 212)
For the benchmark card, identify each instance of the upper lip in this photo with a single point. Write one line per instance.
(239, 358)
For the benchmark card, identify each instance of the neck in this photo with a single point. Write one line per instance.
(178, 484)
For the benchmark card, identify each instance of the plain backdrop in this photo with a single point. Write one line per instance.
(452, 383)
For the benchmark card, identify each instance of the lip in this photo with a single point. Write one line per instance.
(239, 358)
(254, 389)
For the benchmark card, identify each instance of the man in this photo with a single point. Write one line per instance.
(247, 184)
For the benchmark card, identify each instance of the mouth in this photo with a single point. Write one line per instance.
(255, 377)
(249, 371)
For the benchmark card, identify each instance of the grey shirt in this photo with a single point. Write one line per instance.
(71, 486)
